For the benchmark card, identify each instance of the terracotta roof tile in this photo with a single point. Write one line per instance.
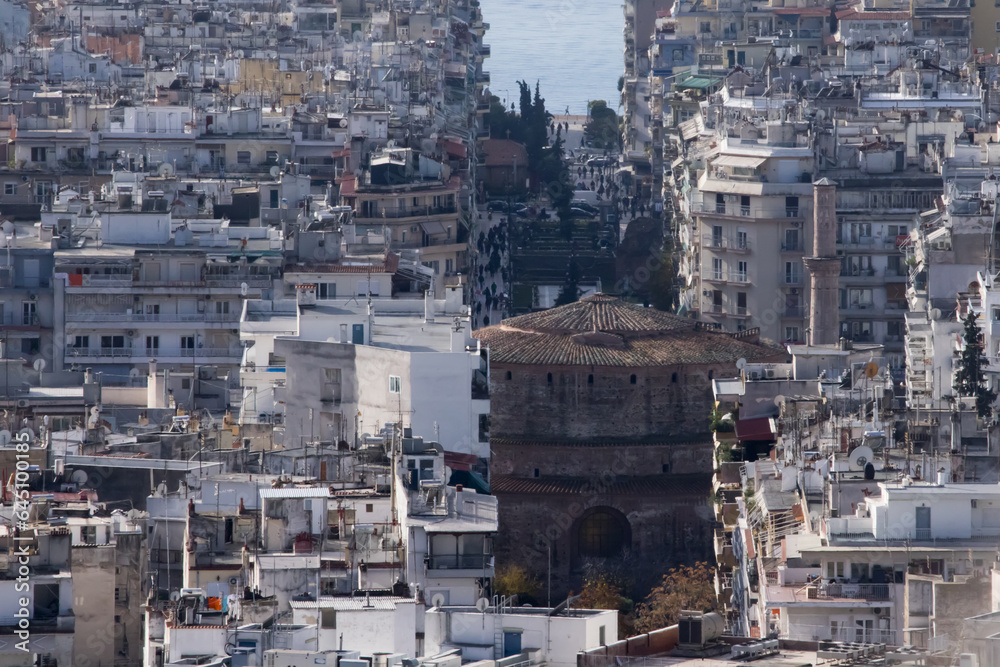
(601, 330)
(695, 484)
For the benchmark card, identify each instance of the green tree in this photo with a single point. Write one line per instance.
(570, 290)
(684, 587)
(513, 579)
(662, 294)
(603, 128)
(504, 123)
(970, 377)
(603, 591)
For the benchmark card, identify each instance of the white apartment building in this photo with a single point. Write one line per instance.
(753, 204)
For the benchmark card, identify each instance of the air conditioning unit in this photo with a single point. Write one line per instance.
(130, 333)
(769, 373)
(22, 403)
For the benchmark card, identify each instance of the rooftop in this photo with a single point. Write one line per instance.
(602, 330)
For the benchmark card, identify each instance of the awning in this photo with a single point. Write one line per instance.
(432, 227)
(739, 161)
(698, 82)
(759, 428)
(460, 461)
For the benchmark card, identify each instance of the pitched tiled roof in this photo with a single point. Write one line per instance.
(601, 330)
(636, 485)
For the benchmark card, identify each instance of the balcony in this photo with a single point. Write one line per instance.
(858, 272)
(135, 318)
(735, 277)
(790, 278)
(792, 247)
(739, 244)
(459, 562)
(794, 312)
(735, 210)
(143, 353)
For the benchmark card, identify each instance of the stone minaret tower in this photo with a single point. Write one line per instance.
(824, 266)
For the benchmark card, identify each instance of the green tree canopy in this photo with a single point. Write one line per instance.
(970, 377)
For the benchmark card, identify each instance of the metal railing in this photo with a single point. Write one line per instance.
(153, 317)
(459, 561)
(157, 352)
(868, 592)
(738, 243)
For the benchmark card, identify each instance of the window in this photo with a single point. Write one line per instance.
(590, 379)
(631, 379)
(30, 345)
(549, 378)
(741, 239)
(92, 68)
(394, 384)
(745, 206)
(273, 197)
(998, 26)
(793, 273)
(484, 427)
(43, 192)
(510, 376)
(221, 307)
(717, 236)
(369, 507)
(39, 154)
(81, 342)
(665, 468)
(673, 378)
(152, 344)
(110, 343)
(88, 534)
(538, 472)
(791, 334)
(792, 207)
(243, 157)
(185, 383)
(717, 268)
(327, 291)
(187, 342)
(601, 535)
(741, 272)
(29, 313)
(706, 27)
(9, 189)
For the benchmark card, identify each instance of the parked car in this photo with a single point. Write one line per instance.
(497, 205)
(579, 203)
(581, 213)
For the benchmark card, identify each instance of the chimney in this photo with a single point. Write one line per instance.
(824, 266)
(429, 305)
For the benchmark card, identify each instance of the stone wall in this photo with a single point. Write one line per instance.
(664, 530)
(601, 402)
(523, 458)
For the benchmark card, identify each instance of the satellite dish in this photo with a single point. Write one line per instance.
(166, 170)
(871, 369)
(741, 363)
(244, 288)
(778, 400)
(79, 477)
(935, 313)
(437, 600)
(275, 171)
(4, 438)
(482, 604)
(134, 373)
(39, 365)
(175, 596)
(860, 457)
(26, 434)
(343, 122)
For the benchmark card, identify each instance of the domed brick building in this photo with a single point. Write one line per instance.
(599, 433)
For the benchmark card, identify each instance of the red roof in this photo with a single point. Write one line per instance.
(754, 429)
(802, 11)
(459, 461)
(456, 148)
(348, 185)
(854, 15)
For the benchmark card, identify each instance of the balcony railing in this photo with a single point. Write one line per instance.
(868, 592)
(157, 352)
(744, 211)
(735, 244)
(791, 278)
(738, 277)
(792, 247)
(459, 562)
(794, 311)
(151, 317)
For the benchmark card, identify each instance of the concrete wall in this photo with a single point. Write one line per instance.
(94, 605)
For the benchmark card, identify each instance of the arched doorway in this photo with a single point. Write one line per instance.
(602, 532)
